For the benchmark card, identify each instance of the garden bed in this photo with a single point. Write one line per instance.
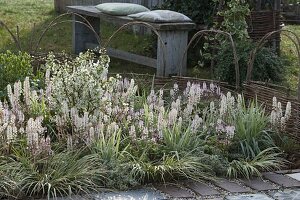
(80, 130)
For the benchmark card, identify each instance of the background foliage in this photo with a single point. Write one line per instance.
(200, 12)
(14, 67)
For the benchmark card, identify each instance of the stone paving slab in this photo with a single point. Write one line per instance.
(281, 180)
(258, 196)
(289, 171)
(259, 184)
(201, 188)
(287, 194)
(73, 197)
(139, 194)
(231, 186)
(294, 176)
(174, 191)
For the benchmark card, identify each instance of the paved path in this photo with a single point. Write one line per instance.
(280, 185)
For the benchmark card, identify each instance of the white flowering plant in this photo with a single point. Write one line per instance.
(82, 114)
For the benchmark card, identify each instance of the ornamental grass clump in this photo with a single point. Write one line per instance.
(30, 165)
(86, 130)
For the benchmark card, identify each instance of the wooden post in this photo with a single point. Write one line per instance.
(277, 5)
(277, 8)
(258, 5)
(171, 53)
(82, 34)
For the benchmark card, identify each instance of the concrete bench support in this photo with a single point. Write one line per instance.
(170, 60)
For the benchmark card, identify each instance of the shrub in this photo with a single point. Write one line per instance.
(200, 12)
(13, 67)
(267, 65)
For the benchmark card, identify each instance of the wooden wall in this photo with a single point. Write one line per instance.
(61, 4)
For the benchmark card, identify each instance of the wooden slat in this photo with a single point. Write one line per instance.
(116, 53)
(92, 11)
(142, 60)
(61, 4)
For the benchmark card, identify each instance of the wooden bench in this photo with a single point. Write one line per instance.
(173, 35)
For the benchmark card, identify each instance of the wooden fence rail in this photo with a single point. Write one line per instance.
(60, 5)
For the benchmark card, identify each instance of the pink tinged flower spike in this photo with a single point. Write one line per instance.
(288, 110)
(34, 96)
(172, 94)
(21, 130)
(187, 89)
(17, 92)
(279, 112)
(151, 99)
(179, 122)
(85, 119)
(173, 117)
(69, 142)
(6, 115)
(160, 102)
(141, 125)
(176, 104)
(129, 118)
(26, 91)
(132, 132)
(188, 110)
(91, 137)
(218, 91)
(48, 145)
(112, 128)
(12, 119)
(175, 87)
(3, 127)
(20, 116)
(47, 77)
(223, 105)
(30, 133)
(212, 87)
(273, 118)
(204, 86)
(145, 134)
(9, 134)
(229, 100)
(274, 104)
(196, 123)
(99, 129)
(106, 118)
(48, 92)
(240, 101)
(151, 117)
(230, 131)
(10, 94)
(161, 124)
(161, 93)
(220, 127)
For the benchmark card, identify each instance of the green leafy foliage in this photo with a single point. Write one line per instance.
(200, 12)
(267, 65)
(13, 67)
(234, 18)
